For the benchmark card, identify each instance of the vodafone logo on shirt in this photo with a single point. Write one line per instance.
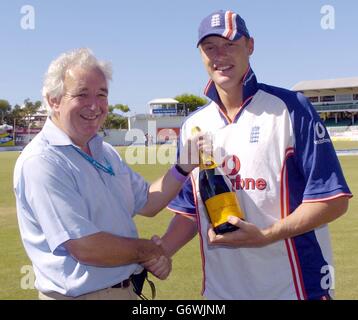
(320, 133)
(231, 167)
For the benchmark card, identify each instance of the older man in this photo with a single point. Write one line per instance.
(76, 198)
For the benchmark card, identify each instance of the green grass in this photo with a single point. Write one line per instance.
(344, 233)
(186, 279)
(340, 145)
(7, 163)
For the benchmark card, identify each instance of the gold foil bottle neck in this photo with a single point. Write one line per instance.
(206, 161)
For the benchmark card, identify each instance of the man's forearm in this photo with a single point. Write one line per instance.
(306, 217)
(180, 231)
(161, 192)
(167, 187)
(107, 250)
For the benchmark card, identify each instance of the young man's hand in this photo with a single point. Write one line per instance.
(160, 267)
(247, 236)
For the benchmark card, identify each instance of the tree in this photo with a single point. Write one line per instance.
(115, 120)
(5, 108)
(121, 107)
(23, 115)
(191, 101)
(30, 108)
(17, 115)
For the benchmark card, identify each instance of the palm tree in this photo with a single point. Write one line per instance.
(115, 120)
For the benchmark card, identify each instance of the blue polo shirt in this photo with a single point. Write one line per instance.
(60, 196)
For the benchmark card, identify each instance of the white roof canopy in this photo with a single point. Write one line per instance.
(341, 83)
(163, 101)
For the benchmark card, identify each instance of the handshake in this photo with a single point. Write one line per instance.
(160, 264)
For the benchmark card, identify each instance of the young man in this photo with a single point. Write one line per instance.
(283, 169)
(76, 198)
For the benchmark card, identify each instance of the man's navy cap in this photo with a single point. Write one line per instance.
(226, 24)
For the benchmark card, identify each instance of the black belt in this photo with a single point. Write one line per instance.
(124, 284)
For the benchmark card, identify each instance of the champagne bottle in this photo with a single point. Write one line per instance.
(216, 193)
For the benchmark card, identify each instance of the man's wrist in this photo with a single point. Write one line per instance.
(187, 168)
(183, 171)
(269, 235)
(147, 249)
(178, 173)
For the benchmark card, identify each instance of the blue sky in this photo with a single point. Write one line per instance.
(152, 43)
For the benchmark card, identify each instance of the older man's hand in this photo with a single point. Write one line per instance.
(160, 267)
(199, 145)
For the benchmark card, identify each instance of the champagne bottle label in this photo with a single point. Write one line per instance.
(215, 190)
(221, 206)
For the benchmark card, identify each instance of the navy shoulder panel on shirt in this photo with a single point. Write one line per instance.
(314, 154)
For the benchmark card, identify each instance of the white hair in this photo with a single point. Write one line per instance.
(53, 86)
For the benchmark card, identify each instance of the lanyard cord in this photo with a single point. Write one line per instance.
(95, 163)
